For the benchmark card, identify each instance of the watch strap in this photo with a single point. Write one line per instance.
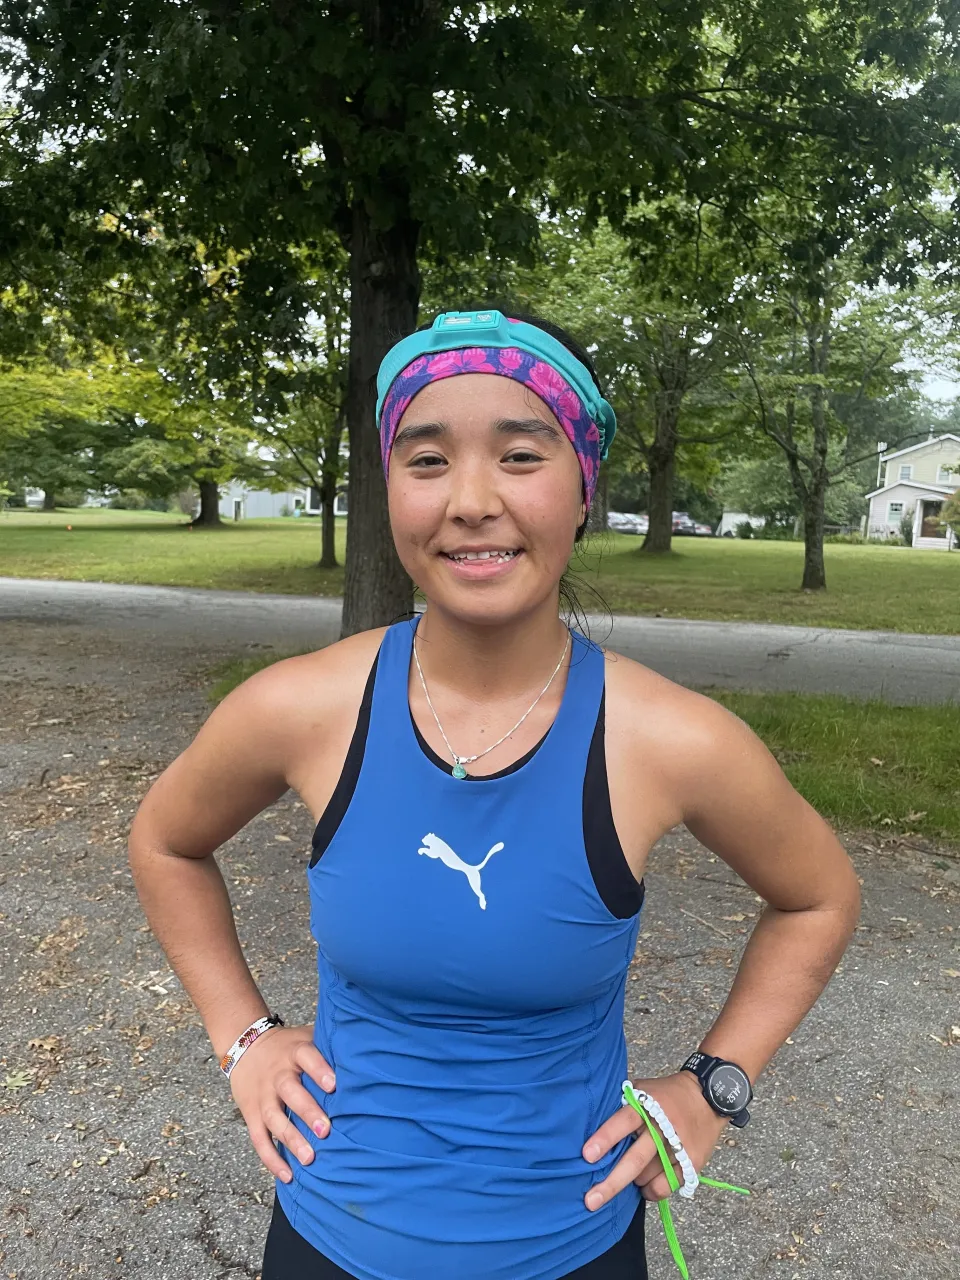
(701, 1064)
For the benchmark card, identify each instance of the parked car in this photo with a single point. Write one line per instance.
(618, 520)
(683, 525)
(703, 530)
(626, 522)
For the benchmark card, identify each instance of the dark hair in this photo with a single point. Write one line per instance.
(569, 597)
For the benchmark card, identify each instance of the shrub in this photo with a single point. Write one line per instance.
(853, 539)
(186, 501)
(71, 497)
(906, 527)
(128, 500)
(745, 529)
(950, 515)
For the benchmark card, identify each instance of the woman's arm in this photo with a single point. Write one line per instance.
(240, 762)
(740, 805)
(736, 800)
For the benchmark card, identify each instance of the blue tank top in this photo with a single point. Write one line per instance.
(471, 991)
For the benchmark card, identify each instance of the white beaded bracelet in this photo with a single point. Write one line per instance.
(245, 1039)
(690, 1179)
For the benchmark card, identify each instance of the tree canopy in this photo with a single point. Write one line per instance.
(213, 148)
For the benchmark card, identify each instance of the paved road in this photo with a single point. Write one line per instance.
(896, 667)
(122, 1156)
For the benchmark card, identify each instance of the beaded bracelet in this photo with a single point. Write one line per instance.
(245, 1039)
(657, 1113)
(631, 1099)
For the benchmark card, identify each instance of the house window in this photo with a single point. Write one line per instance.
(894, 512)
(906, 471)
(946, 475)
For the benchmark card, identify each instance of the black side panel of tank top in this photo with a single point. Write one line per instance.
(339, 802)
(619, 889)
(615, 883)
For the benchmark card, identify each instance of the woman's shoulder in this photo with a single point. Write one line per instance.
(308, 688)
(646, 711)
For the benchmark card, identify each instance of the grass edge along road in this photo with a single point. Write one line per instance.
(869, 587)
(860, 764)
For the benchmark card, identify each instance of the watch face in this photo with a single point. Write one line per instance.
(729, 1088)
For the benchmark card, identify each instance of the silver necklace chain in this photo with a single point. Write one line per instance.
(459, 761)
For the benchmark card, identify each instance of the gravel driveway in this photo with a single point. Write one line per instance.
(122, 1154)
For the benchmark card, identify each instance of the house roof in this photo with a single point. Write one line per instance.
(885, 457)
(935, 489)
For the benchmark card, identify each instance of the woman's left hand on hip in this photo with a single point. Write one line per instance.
(695, 1121)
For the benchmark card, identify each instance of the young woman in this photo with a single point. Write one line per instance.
(486, 785)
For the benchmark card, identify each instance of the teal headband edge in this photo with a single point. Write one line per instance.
(454, 330)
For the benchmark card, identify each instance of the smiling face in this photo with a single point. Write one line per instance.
(485, 497)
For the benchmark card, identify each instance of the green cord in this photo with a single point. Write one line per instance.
(666, 1217)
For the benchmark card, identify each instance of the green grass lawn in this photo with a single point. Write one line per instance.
(890, 588)
(868, 587)
(161, 548)
(860, 764)
(863, 764)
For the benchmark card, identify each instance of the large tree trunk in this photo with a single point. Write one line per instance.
(384, 297)
(49, 500)
(814, 573)
(209, 513)
(597, 515)
(328, 522)
(818, 348)
(329, 476)
(661, 461)
(662, 454)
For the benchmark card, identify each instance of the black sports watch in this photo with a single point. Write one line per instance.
(725, 1086)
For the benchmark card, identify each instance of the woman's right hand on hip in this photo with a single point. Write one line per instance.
(267, 1078)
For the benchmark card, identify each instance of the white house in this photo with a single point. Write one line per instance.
(917, 481)
(729, 521)
(237, 502)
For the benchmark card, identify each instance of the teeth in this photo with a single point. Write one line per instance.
(500, 556)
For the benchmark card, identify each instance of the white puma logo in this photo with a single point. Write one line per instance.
(434, 847)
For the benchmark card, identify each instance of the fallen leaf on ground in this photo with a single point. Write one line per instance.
(47, 1043)
(17, 1079)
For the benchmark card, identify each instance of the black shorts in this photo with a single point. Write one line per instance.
(289, 1257)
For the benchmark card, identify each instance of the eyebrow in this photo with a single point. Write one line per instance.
(504, 426)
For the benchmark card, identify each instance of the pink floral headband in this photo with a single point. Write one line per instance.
(509, 362)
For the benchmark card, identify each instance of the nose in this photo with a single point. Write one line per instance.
(474, 493)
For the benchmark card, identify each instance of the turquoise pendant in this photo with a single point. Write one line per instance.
(459, 771)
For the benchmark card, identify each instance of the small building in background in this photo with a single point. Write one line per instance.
(727, 528)
(238, 502)
(916, 483)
